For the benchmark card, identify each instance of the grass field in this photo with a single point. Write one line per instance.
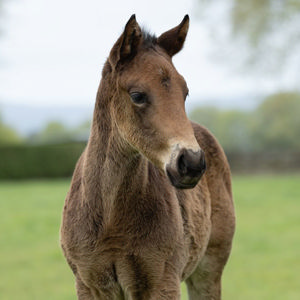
(265, 262)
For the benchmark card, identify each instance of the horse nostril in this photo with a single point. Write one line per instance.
(182, 166)
(191, 163)
(186, 168)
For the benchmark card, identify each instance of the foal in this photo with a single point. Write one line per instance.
(137, 221)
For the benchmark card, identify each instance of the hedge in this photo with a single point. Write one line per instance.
(267, 161)
(44, 161)
(52, 161)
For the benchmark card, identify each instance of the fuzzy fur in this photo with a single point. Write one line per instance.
(126, 232)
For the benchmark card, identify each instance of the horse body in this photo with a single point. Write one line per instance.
(133, 227)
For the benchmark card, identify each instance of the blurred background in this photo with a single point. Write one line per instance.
(241, 61)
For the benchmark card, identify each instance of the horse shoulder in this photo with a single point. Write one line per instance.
(72, 203)
(76, 183)
(219, 184)
(217, 164)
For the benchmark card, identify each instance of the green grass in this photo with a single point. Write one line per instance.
(265, 261)
(264, 264)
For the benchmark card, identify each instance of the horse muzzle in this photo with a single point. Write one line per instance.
(185, 168)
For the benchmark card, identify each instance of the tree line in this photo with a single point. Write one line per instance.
(273, 126)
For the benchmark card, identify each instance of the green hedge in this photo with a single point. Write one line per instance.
(18, 162)
(50, 161)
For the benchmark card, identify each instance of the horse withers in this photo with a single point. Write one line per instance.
(146, 209)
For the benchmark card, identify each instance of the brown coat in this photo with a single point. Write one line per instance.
(133, 227)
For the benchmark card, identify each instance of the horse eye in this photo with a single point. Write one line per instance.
(139, 98)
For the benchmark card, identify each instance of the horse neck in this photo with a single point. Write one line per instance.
(111, 167)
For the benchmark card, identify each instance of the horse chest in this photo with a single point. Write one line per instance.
(128, 252)
(196, 215)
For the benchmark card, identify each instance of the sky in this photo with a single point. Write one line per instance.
(52, 52)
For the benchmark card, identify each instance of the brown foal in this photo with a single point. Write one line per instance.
(137, 219)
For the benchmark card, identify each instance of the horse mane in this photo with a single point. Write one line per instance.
(149, 39)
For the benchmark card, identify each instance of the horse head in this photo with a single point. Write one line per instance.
(148, 101)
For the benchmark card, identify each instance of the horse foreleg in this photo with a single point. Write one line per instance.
(83, 292)
(205, 282)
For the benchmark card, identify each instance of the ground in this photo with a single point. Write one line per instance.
(264, 263)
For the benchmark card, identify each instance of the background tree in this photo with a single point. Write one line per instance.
(53, 132)
(8, 136)
(263, 34)
(274, 126)
(81, 133)
(232, 127)
(56, 132)
(277, 123)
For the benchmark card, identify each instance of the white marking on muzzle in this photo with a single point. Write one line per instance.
(171, 155)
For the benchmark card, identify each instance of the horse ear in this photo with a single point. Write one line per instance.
(126, 46)
(172, 41)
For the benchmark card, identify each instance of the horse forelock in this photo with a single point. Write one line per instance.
(149, 40)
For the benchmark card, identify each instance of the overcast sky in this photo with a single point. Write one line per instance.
(52, 52)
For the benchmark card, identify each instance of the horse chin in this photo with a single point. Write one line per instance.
(182, 182)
